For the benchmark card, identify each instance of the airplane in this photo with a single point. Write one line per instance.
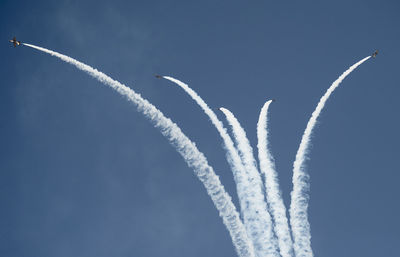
(273, 100)
(15, 42)
(158, 76)
(375, 54)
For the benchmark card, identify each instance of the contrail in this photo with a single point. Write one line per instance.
(299, 196)
(193, 157)
(232, 155)
(273, 193)
(266, 239)
(248, 184)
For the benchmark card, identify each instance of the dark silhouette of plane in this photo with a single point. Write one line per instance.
(15, 42)
(375, 54)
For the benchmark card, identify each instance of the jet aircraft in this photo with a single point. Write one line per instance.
(158, 76)
(15, 42)
(375, 54)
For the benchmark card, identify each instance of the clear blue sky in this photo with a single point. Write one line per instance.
(83, 174)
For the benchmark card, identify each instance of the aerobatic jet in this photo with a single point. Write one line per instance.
(15, 42)
(375, 54)
(158, 76)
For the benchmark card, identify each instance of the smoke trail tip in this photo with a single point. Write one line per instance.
(225, 111)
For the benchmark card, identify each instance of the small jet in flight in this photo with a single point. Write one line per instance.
(158, 76)
(15, 42)
(375, 54)
(273, 100)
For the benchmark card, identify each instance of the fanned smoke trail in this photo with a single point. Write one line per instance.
(266, 242)
(193, 157)
(249, 192)
(299, 196)
(273, 193)
(232, 155)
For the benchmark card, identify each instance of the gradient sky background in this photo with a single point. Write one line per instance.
(83, 174)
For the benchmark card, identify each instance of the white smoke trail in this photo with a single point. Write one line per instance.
(299, 196)
(273, 193)
(232, 155)
(193, 157)
(249, 185)
(266, 240)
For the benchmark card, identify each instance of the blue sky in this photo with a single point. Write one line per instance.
(82, 173)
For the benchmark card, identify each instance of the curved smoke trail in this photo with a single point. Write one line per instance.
(266, 240)
(232, 154)
(273, 193)
(248, 189)
(299, 196)
(193, 157)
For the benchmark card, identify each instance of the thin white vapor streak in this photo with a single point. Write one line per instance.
(299, 196)
(248, 184)
(193, 157)
(266, 241)
(232, 155)
(273, 193)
